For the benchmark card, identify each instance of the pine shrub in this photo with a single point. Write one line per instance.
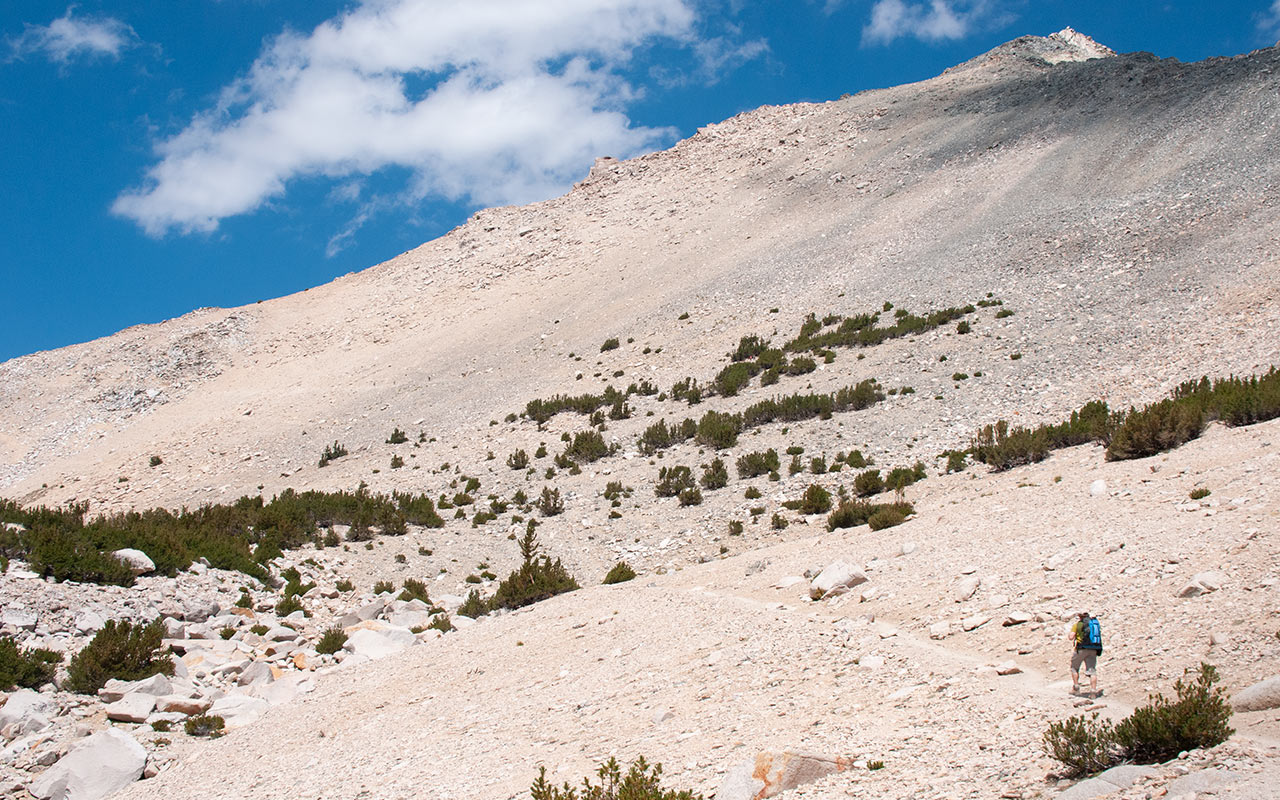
(620, 573)
(714, 476)
(414, 589)
(331, 641)
(673, 480)
(23, 667)
(691, 496)
(122, 650)
(332, 453)
(751, 465)
(518, 460)
(816, 500)
(641, 782)
(212, 726)
(868, 483)
(550, 502)
(397, 437)
(474, 606)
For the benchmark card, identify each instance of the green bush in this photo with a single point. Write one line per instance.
(586, 447)
(641, 782)
(344, 585)
(537, 578)
(751, 465)
(673, 480)
(885, 518)
(719, 430)
(205, 725)
(442, 623)
(122, 650)
(518, 460)
(778, 522)
(735, 527)
(288, 605)
(1200, 494)
(609, 344)
(730, 380)
(852, 513)
(332, 453)
(868, 483)
(815, 500)
(1198, 718)
(1156, 428)
(956, 460)
(659, 436)
(415, 589)
(474, 606)
(383, 587)
(620, 573)
(20, 666)
(714, 476)
(397, 437)
(331, 641)
(691, 496)
(550, 502)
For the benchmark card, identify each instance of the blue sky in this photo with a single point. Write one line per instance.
(161, 157)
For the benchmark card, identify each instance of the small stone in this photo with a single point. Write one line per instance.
(1008, 668)
(1098, 488)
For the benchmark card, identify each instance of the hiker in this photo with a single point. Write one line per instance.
(1086, 637)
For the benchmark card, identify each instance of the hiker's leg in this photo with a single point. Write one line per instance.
(1077, 658)
(1091, 669)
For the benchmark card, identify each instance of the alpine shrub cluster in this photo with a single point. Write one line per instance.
(1156, 732)
(121, 650)
(642, 782)
(852, 513)
(1138, 432)
(861, 330)
(243, 536)
(27, 668)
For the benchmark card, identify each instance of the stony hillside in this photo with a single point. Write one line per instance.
(1084, 225)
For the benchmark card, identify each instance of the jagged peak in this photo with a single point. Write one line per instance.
(1066, 45)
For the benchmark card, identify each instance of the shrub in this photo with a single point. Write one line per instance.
(550, 503)
(155, 461)
(852, 513)
(885, 518)
(332, 453)
(518, 460)
(719, 430)
(751, 465)
(900, 478)
(868, 483)
(816, 500)
(752, 493)
(1159, 731)
(344, 585)
(620, 573)
(23, 667)
(778, 522)
(122, 650)
(586, 447)
(397, 462)
(691, 496)
(415, 589)
(609, 344)
(735, 527)
(1200, 494)
(227, 632)
(673, 480)
(474, 606)
(714, 476)
(331, 641)
(659, 436)
(749, 347)
(1197, 718)
(856, 460)
(963, 327)
(259, 630)
(1084, 744)
(205, 725)
(384, 587)
(288, 605)
(537, 578)
(641, 782)
(441, 623)
(730, 380)
(397, 437)
(956, 461)
(1156, 428)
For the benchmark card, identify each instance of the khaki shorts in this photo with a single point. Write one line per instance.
(1089, 658)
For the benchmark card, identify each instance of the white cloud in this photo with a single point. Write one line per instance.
(1269, 23)
(935, 21)
(503, 101)
(69, 37)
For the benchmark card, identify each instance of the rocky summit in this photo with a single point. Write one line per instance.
(828, 378)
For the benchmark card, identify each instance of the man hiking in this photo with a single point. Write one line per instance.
(1086, 637)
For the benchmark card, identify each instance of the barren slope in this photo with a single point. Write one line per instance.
(1120, 205)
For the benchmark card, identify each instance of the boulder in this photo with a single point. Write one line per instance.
(19, 619)
(975, 621)
(88, 622)
(179, 704)
(1205, 780)
(837, 578)
(1016, 618)
(770, 773)
(99, 765)
(174, 629)
(967, 588)
(1203, 583)
(199, 610)
(940, 630)
(1088, 788)
(1261, 696)
(410, 618)
(259, 672)
(378, 644)
(136, 560)
(1008, 668)
(237, 709)
(1126, 775)
(156, 686)
(28, 709)
(133, 707)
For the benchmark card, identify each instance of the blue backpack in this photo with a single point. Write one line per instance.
(1092, 635)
